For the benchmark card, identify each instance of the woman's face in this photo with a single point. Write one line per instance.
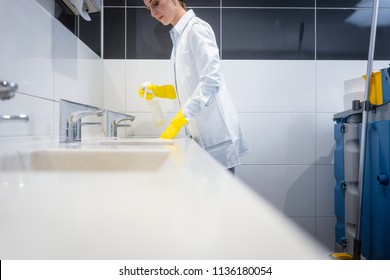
(163, 10)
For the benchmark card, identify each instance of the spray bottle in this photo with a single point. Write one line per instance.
(154, 106)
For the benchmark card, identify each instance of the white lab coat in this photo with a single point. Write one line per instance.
(212, 119)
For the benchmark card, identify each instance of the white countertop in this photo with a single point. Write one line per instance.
(188, 208)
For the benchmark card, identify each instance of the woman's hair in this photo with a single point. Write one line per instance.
(183, 4)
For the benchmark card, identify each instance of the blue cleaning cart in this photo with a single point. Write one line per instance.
(346, 168)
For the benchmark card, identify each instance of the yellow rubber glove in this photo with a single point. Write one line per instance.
(176, 124)
(151, 90)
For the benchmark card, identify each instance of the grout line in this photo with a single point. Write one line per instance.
(102, 49)
(315, 117)
(220, 29)
(125, 109)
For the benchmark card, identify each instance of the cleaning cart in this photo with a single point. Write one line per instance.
(346, 171)
(372, 214)
(375, 229)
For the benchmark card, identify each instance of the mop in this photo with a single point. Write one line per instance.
(357, 245)
(366, 107)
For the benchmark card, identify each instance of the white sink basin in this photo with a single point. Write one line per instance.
(133, 142)
(95, 160)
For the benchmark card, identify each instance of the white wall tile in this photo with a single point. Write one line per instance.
(307, 224)
(380, 64)
(325, 232)
(158, 72)
(49, 5)
(114, 85)
(40, 112)
(290, 188)
(271, 85)
(325, 184)
(330, 77)
(279, 138)
(325, 142)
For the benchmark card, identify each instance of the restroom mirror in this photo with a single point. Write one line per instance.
(87, 31)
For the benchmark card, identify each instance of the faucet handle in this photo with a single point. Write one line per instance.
(113, 121)
(76, 116)
(20, 117)
(7, 89)
(71, 114)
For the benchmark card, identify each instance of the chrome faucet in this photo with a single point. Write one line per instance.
(7, 91)
(113, 122)
(71, 114)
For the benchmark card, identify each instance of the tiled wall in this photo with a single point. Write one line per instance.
(256, 29)
(284, 62)
(48, 62)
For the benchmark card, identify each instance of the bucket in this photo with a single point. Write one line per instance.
(353, 90)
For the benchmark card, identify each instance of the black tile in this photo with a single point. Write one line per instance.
(203, 3)
(149, 39)
(146, 37)
(114, 3)
(268, 3)
(90, 32)
(189, 3)
(114, 33)
(382, 50)
(351, 3)
(347, 35)
(268, 34)
(135, 3)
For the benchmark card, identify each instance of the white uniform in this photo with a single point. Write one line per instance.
(212, 119)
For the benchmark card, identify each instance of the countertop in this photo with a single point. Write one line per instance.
(188, 207)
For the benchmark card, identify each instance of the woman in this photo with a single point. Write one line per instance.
(206, 107)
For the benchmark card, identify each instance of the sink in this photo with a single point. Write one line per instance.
(132, 142)
(95, 160)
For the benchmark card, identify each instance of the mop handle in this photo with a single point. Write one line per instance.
(357, 241)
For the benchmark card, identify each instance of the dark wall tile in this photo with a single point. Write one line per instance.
(146, 37)
(268, 3)
(338, 39)
(382, 50)
(136, 3)
(90, 32)
(149, 39)
(114, 3)
(268, 34)
(280, 33)
(190, 3)
(347, 35)
(351, 3)
(203, 3)
(114, 33)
